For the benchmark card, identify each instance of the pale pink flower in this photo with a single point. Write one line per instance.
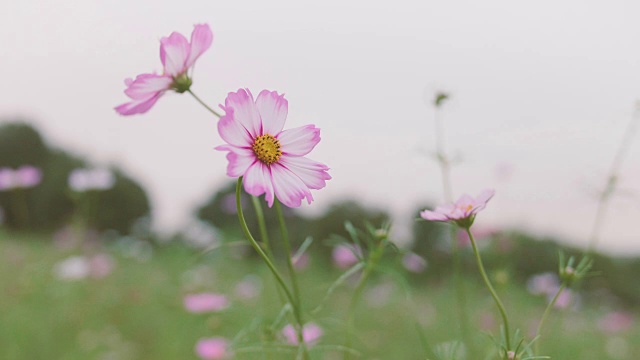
(310, 334)
(205, 302)
(178, 55)
(543, 284)
(101, 265)
(24, 177)
(270, 160)
(414, 262)
(212, 348)
(565, 299)
(615, 322)
(301, 262)
(91, 179)
(462, 211)
(344, 256)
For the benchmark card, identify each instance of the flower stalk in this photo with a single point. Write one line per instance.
(496, 298)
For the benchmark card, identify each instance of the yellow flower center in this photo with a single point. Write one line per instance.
(267, 149)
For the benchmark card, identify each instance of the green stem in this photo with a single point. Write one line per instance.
(262, 225)
(292, 273)
(487, 282)
(546, 313)
(204, 104)
(263, 255)
(371, 264)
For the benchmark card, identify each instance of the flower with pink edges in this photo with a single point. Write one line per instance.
(462, 212)
(310, 334)
(205, 302)
(270, 160)
(178, 55)
(214, 348)
(344, 256)
(24, 177)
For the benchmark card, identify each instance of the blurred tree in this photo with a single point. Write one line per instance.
(51, 203)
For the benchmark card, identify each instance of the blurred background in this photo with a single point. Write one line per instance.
(96, 264)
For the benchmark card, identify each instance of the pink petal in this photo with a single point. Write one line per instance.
(138, 106)
(433, 216)
(174, 51)
(239, 159)
(205, 302)
(313, 174)
(146, 86)
(257, 181)
(273, 110)
(245, 111)
(232, 131)
(480, 202)
(288, 188)
(299, 141)
(201, 39)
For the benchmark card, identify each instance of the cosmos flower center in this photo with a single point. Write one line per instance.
(267, 149)
(466, 208)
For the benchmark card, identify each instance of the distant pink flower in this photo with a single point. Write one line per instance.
(91, 179)
(615, 322)
(24, 177)
(270, 160)
(344, 256)
(101, 265)
(205, 302)
(414, 262)
(462, 212)
(565, 299)
(543, 284)
(178, 55)
(310, 334)
(212, 348)
(301, 262)
(249, 287)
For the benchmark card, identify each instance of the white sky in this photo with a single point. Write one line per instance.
(546, 88)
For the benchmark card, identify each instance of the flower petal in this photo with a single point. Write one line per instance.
(433, 216)
(146, 86)
(481, 201)
(257, 181)
(299, 141)
(138, 106)
(232, 131)
(273, 109)
(245, 111)
(289, 189)
(240, 159)
(174, 51)
(313, 174)
(201, 39)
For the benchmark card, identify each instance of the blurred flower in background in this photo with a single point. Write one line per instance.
(310, 334)
(414, 262)
(616, 322)
(205, 302)
(24, 177)
(344, 256)
(214, 348)
(82, 180)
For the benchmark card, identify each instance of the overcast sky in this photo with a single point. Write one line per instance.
(541, 95)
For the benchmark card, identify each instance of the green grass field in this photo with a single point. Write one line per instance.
(136, 312)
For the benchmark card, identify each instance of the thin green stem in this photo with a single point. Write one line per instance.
(546, 313)
(487, 282)
(262, 225)
(256, 246)
(610, 187)
(204, 104)
(292, 273)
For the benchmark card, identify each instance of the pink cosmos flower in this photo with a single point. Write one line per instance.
(344, 256)
(270, 160)
(615, 322)
(178, 55)
(462, 212)
(205, 302)
(24, 177)
(212, 348)
(310, 334)
(414, 262)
